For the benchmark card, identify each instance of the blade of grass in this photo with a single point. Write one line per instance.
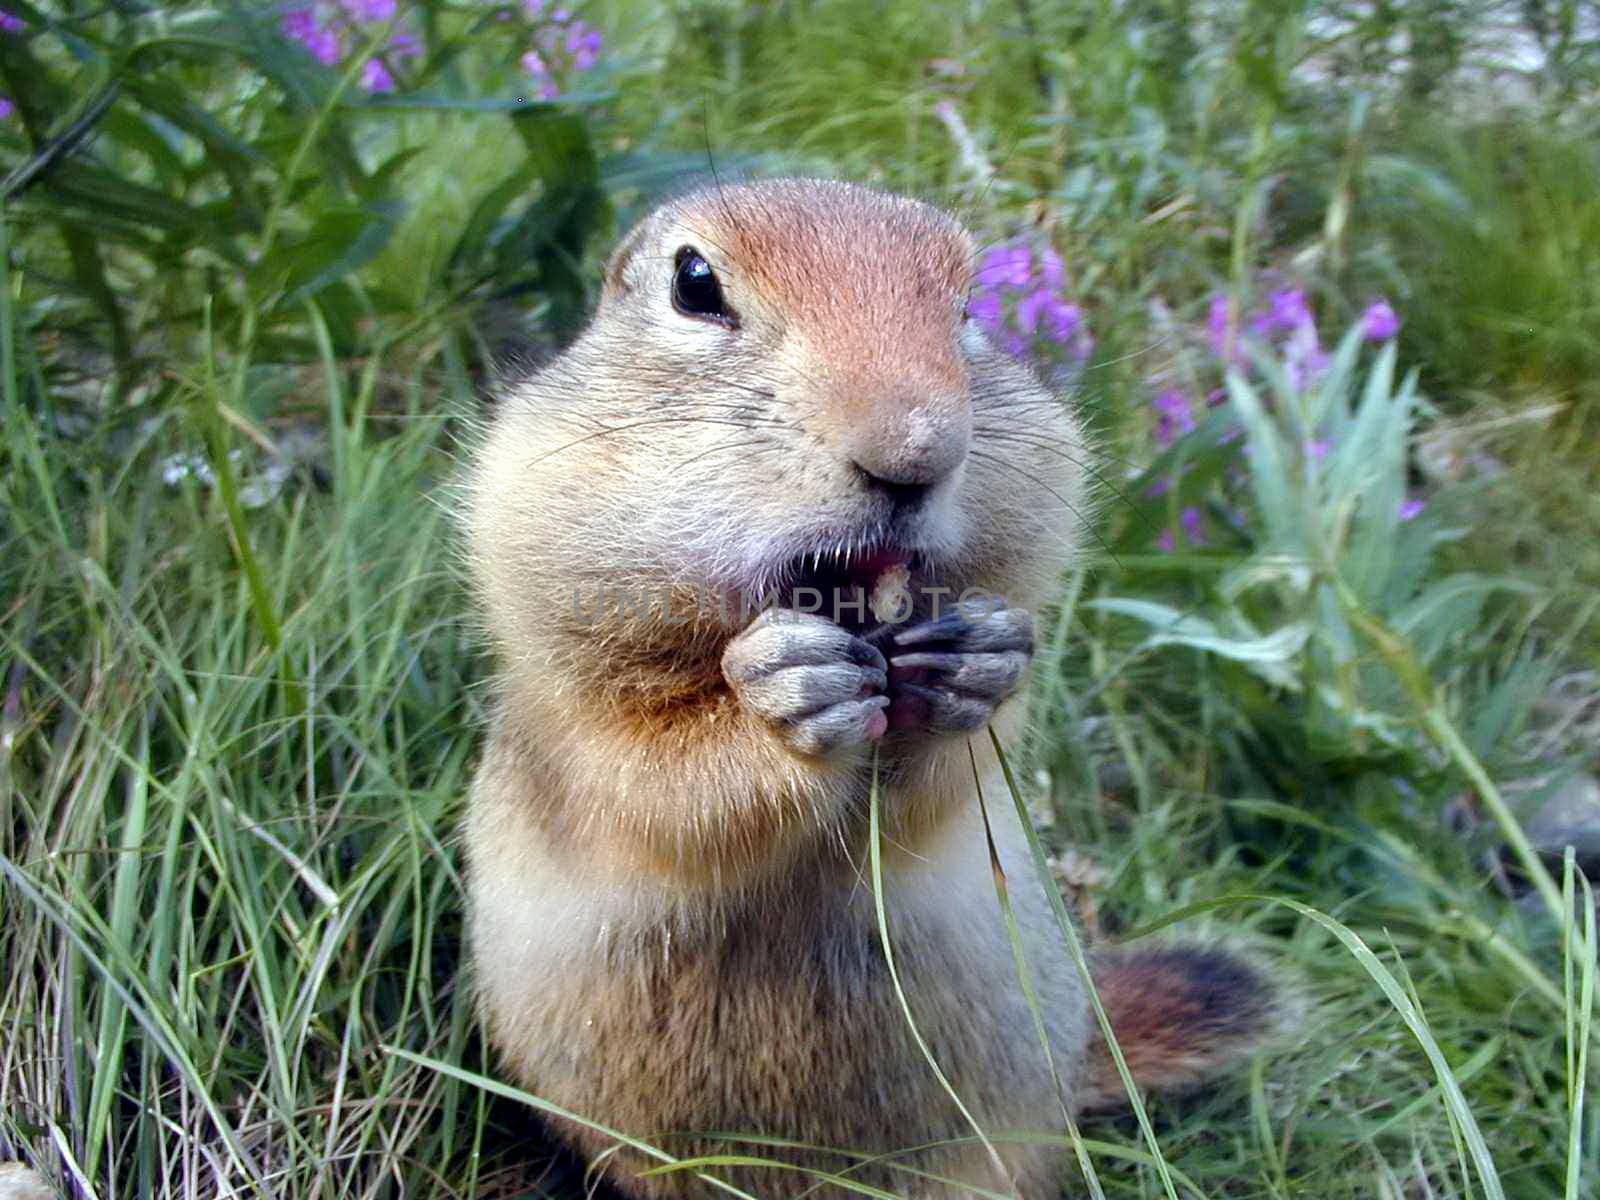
(1025, 979)
(1075, 948)
(1578, 953)
(506, 1091)
(160, 1032)
(875, 851)
(1413, 676)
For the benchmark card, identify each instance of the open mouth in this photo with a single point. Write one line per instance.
(859, 591)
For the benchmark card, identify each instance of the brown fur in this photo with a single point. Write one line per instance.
(1178, 1013)
(670, 919)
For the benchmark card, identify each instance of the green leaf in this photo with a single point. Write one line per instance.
(1276, 500)
(1269, 655)
(482, 226)
(342, 240)
(235, 156)
(421, 102)
(98, 194)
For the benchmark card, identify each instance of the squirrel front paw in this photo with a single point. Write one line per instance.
(815, 683)
(949, 675)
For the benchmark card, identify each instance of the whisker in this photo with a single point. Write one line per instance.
(1065, 503)
(723, 447)
(609, 430)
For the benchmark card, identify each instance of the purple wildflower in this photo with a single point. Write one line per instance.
(301, 25)
(1041, 311)
(11, 23)
(1379, 322)
(985, 308)
(1287, 311)
(533, 9)
(561, 16)
(1316, 449)
(1220, 332)
(1168, 541)
(584, 43)
(376, 77)
(329, 29)
(1304, 356)
(1029, 308)
(1193, 523)
(1174, 416)
(7, 108)
(1064, 324)
(1410, 507)
(1160, 487)
(325, 47)
(533, 63)
(368, 12)
(1006, 266)
(1052, 271)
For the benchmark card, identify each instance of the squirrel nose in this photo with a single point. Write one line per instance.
(901, 495)
(905, 454)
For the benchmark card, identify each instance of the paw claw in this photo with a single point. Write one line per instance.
(949, 675)
(815, 683)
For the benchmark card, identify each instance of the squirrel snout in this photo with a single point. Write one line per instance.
(907, 453)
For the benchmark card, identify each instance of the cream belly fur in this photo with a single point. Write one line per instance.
(577, 967)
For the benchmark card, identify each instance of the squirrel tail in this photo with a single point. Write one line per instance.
(1180, 1014)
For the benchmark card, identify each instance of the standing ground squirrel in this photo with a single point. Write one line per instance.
(780, 401)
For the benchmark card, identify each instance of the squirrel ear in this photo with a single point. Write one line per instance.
(616, 281)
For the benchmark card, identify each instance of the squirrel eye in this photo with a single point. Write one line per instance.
(695, 290)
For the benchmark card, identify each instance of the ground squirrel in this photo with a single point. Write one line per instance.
(780, 399)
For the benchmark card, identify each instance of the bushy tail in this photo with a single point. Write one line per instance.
(1180, 1013)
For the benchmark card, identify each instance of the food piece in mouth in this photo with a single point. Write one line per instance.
(891, 601)
(855, 591)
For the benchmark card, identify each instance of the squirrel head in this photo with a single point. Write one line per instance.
(780, 386)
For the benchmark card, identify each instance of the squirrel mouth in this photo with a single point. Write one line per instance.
(858, 591)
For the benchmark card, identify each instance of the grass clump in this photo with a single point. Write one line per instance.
(223, 894)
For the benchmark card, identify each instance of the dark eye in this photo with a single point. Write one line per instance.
(695, 290)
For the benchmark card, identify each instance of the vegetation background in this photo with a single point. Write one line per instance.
(1326, 276)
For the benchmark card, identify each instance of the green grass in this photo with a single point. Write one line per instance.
(235, 740)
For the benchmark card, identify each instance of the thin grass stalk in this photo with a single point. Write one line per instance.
(1029, 992)
(160, 1032)
(8, 331)
(113, 1015)
(1080, 960)
(215, 432)
(1397, 653)
(875, 853)
(506, 1091)
(1579, 968)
